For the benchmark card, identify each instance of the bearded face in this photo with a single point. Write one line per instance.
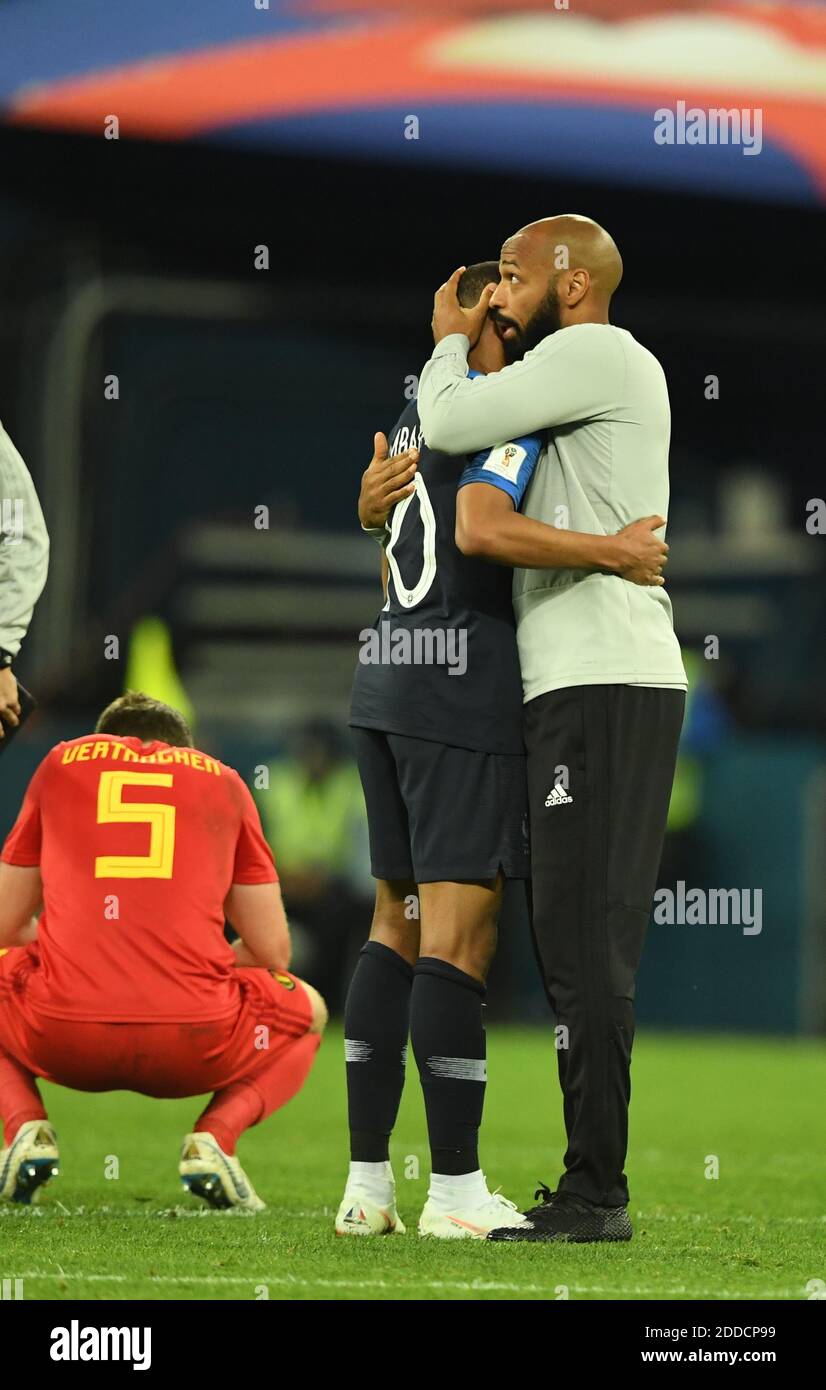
(517, 340)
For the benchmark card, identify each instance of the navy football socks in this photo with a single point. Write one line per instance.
(376, 1027)
(448, 1036)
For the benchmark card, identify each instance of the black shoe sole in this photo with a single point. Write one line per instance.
(541, 1234)
(34, 1172)
(209, 1188)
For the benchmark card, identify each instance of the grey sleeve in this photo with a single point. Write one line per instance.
(575, 374)
(24, 547)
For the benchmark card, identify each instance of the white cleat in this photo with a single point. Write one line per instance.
(29, 1161)
(360, 1215)
(206, 1171)
(469, 1223)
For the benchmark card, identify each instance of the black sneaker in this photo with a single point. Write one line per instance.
(562, 1216)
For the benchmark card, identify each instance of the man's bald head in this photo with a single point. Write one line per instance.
(571, 242)
(555, 272)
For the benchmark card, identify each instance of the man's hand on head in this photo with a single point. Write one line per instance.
(450, 317)
(385, 482)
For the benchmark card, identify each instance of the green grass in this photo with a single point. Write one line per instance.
(757, 1231)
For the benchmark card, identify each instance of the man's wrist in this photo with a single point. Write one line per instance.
(456, 341)
(6, 658)
(379, 533)
(608, 550)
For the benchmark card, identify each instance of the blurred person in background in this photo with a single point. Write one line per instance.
(706, 727)
(314, 818)
(24, 563)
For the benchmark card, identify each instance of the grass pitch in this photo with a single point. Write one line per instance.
(752, 1110)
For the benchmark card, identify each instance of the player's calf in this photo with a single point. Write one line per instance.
(447, 1030)
(208, 1167)
(376, 1025)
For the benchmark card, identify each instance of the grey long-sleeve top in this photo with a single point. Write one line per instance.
(602, 399)
(24, 547)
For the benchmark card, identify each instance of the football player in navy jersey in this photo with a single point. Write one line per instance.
(436, 717)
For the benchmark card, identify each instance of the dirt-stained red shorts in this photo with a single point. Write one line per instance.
(165, 1060)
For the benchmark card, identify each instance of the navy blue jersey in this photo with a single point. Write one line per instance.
(441, 661)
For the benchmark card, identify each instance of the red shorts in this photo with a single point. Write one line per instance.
(165, 1060)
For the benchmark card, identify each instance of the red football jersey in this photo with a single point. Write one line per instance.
(138, 845)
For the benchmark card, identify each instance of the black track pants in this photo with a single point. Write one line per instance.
(601, 762)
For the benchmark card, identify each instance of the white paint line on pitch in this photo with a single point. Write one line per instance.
(14, 1212)
(474, 1286)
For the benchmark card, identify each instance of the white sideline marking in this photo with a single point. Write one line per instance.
(722, 1219)
(469, 1286)
(19, 1213)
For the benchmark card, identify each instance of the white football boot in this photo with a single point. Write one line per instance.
(29, 1161)
(206, 1171)
(369, 1209)
(469, 1222)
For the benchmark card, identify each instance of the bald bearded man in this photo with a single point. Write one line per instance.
(603, 678)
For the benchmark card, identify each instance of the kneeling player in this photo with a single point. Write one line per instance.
(137, 847)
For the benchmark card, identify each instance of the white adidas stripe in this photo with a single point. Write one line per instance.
(459, 1068)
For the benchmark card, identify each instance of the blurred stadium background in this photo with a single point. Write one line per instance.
(166, 380)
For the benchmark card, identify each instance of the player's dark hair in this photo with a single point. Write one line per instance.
(140, 716)
(473, 280)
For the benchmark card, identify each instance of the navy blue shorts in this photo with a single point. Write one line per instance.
(439, 814)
